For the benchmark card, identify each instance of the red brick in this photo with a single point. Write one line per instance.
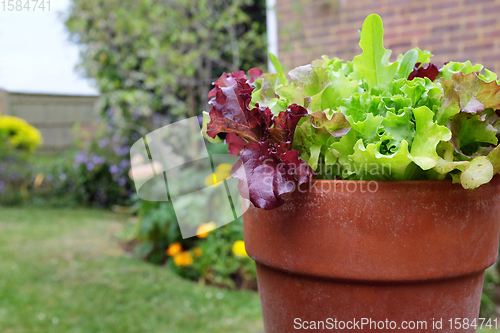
(491, 9)
(491, 58)
(445, 28)
(443, 5)
(448, 50)
(477, 48)
(438, 17)
(460, 36)
(481, 23)
(475, 2)
(451, 29)
(492, 34)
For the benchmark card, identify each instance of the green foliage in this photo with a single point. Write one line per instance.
(373, 63)
(217, 264)
(407, 121)
(65, 264)
(160, 57)
(95, 176)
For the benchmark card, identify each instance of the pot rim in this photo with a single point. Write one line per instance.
(398, 183)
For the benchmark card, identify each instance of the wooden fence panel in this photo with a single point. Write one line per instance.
(54, 115)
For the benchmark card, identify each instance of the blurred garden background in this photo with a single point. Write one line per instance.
(79, 251)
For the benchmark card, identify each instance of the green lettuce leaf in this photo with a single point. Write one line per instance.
(479, 172)
(406, 64)
(373, 63)
(427, 136)
(279, 69)
(370, 164)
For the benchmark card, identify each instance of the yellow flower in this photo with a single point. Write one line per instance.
(183, 259)
(205, 228)
(19, 133)
(224, 168)
(239, 249)
(174, 249)
(222, 171)
(197, 252)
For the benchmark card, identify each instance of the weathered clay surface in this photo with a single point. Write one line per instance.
(407, 251)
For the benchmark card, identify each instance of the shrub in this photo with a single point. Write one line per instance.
(19, 134)
(18, 140)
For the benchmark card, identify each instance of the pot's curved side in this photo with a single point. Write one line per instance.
(286, 297)
(407, 251)
(402, 231)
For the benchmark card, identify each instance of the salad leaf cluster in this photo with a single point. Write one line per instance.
(366, 119)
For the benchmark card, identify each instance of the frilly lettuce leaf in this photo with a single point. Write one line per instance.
(427, 136)
(369, 163)
(479, 172)
(373, 63)
(366, 119)
(315, 134)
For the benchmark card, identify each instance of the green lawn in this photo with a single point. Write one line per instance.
(62, 271)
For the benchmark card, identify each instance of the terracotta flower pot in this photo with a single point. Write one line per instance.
(392, 252)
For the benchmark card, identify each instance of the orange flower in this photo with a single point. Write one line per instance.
(173, 249)
(205, 228)
(197, 252)
(183, 259)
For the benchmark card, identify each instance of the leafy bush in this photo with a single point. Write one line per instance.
(19, 134)
(100, 170)
(216, 257)
(95, 176)
(219, 259)
(18, 140)
(161, 56)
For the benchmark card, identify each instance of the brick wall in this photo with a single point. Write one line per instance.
(455, 30)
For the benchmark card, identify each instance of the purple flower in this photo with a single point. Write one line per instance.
(123, 151)
(63, 177)
(90, 166)
(98, 160)
(113, 169)
(49, 177)
(124, 163)
(2, 186)
(80, 157)
(104, 142)
(122, 181)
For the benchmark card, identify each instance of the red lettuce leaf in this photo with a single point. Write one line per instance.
(254, 73)
(465, 97)
(229, 112)
(426, 70)
(226, 80)
(235, 143)
(267, 167)
(286, 123)
(267, 172)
